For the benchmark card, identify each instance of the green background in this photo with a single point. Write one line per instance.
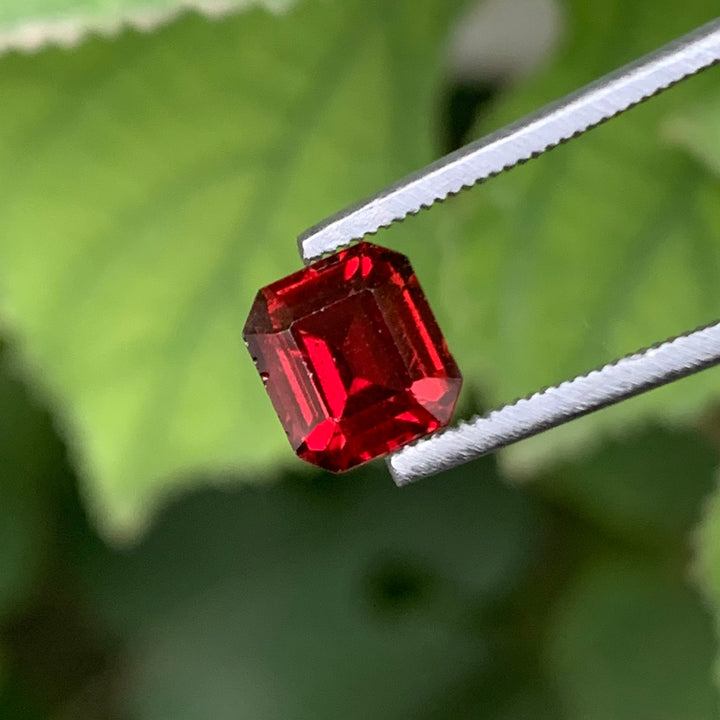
(162, 552)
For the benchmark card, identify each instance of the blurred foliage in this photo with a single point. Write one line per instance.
(153, 182)
(697, 129)
(322, 597)
(29, 455)
(621, 492)
(347, 599)
(603, 246)
(149, 194)
(150, 184)
(622, 637)
(707, 565)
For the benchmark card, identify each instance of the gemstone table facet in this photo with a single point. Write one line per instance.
(352, 357)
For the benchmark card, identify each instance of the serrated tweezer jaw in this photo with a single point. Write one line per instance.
(489, 156)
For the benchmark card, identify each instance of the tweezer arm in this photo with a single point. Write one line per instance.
(618, 381)
(489, 156)
(613, 383)
(520, 141)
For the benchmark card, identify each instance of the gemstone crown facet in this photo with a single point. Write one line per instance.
(352, 357)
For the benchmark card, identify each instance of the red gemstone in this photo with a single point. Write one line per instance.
(352, 358)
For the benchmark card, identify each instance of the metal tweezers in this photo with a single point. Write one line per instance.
(480, 160)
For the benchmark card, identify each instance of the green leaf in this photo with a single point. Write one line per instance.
(647, 489)
(603, 246)
(21, 547)
(631, 641)
(697, 129)
(29, 455)
(707, 566)
(150, 185)
(328, 598)
(3, 670)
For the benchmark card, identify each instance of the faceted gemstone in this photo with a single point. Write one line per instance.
(352, 357)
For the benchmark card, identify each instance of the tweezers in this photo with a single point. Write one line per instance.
(528, 138)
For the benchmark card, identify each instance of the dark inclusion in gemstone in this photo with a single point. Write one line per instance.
(352, 357)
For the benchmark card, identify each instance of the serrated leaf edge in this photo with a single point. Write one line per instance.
(69, 31)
